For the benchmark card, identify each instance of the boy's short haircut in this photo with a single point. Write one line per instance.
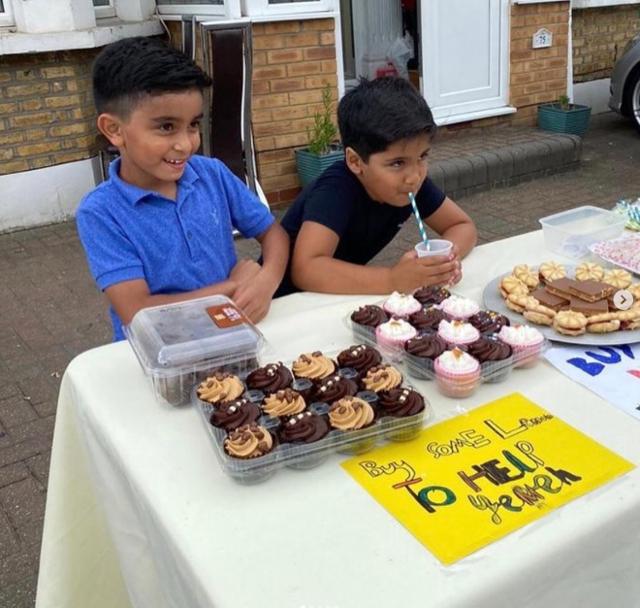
(127, 70)
(380, 112)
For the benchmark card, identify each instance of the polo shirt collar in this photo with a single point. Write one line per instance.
(135, 194)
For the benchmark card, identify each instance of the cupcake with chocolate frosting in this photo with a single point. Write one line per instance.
(495, 357)
(431, 294)
(402, 403)
(270, 378)
(427, 319)
(488, 321)
(365, 320)
(297, 433)
(420, 353)
(232, 414)
(360, 357)
(334, 388)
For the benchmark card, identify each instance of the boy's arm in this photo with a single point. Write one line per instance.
(453, 224)
(313, 268)
(128, 297)
(254, 296)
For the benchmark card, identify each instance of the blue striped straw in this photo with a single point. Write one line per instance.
(416, 213)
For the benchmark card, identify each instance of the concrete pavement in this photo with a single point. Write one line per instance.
(50, 311)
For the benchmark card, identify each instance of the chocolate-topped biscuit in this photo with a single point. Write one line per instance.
(590, 291)
(550, 300)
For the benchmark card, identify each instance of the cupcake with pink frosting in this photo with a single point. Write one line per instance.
(525, 341)
(457, 333)
(401, 305)
(394, 333)
(457, 373)
(460, 308)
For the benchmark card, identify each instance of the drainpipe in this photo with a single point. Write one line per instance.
(570, 54)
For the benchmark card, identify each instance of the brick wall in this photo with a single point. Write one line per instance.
(599, 36)
(46, 110)
(292, 62)
(537, 75)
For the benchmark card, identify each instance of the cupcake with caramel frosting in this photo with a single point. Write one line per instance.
(314, 366)
(351, 413)
(283, 403)
(249, 441)
(220, 387)
(382, 378)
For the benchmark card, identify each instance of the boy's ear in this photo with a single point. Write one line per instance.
(353, 160)
(111, 127)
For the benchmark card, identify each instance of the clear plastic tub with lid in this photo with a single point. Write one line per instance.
(178, 344)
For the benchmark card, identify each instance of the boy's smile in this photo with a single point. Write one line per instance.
(158, 138)
(389, 176)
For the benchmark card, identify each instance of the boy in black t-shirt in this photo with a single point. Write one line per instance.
(356, 207)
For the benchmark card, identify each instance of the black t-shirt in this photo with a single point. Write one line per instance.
(340, 202)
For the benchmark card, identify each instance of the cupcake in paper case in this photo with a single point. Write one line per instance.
(334, 388)
(249, 441)
(297, 432)
(382, 378)
(394, 333)
(270, 378)
(405, 405)
(457, 333)
(431, 294)
(420, 353)
(360, 357)
(495, 357)
(456, 307)
(488, 321)
(313, 366)
(401, 305)
(427, 319)
(365, 320)
(457, 373)
(283, 403)
(352, 414)
(232, 414)
(220, 387)
(526, 342)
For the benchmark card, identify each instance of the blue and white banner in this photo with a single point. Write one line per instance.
(612, 372)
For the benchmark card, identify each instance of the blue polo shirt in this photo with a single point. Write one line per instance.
(175, 246)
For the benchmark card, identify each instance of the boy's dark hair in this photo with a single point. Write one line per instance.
(127, 70)
(379, 112)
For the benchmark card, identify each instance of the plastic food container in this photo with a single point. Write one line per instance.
(178, 344)
(570, 233)
(303, 456)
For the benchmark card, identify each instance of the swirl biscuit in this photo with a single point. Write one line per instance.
(588, 271)
(526, 275)
(539, 314)
(570, 323)
(603, 327)
(511, 284)
(618, 278)
(551, 271)
(519, 302)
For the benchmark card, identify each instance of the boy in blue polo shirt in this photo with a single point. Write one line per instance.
(159, 230)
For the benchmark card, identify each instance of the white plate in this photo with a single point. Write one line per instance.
(493, 301)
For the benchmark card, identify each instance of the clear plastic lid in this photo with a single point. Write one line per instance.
(190, 334)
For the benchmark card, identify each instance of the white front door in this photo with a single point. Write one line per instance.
(465, 54)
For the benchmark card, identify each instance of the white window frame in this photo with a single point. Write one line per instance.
(262, 8)
(229, 8)
(6, 16)
(104, 12)
(599, 3)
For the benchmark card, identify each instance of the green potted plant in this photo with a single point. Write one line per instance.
(323, 148)
(564, 117)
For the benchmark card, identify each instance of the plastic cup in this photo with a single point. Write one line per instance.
(433, 247)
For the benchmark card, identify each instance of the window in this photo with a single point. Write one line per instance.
(6, 16)
(290, 7)
(199, 7)
(104, 8)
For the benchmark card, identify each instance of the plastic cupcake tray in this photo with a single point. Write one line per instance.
(308, 455)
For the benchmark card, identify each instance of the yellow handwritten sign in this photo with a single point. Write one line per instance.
(466, 482)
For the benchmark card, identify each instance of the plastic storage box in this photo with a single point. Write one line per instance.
(179, 344)
(570, 233)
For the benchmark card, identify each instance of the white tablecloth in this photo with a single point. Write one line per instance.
(139, 512)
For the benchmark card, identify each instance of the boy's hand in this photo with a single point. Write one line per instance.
(245, 270)
(254, 297)
(412, 272)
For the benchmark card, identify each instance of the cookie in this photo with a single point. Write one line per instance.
(526, 275)
(539, 314)
(551, 271)
(511, 284)
(519, 303)
(588, 271)
(603, 328)
(570, 323)
(618, 278)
